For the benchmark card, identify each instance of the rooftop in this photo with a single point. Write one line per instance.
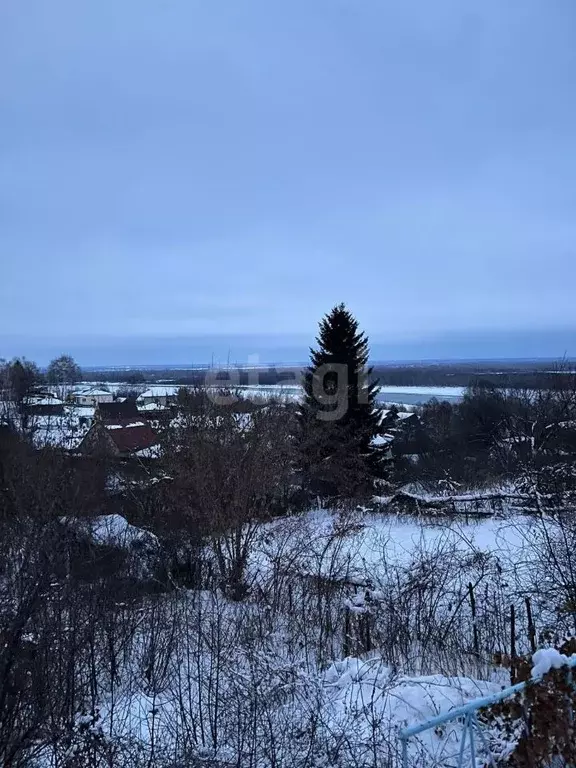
(133, 438)
(117, 411)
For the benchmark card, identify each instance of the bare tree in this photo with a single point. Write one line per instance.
(63, 372)
(231, 464)
(17, 381)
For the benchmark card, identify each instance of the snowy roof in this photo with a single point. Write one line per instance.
(133, 437)
(62, 430)
(383, 440)
(159, 391)
(117, 411)
(150, 407)
(45, 400)
(91, 392)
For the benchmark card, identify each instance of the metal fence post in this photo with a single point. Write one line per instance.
(471, 719)
(404, 752)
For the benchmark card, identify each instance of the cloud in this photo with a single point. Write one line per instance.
(216, 168)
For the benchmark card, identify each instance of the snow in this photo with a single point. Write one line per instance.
(152, 452)
(358, 704)
(391, 394)
(359, 707)
(115, 530)
(546, 659)
(150, 407)
(286, 391)
(429, 392)
(159, 391)
(369, 687)
(363, 544)
(45, 401)
(65, 430)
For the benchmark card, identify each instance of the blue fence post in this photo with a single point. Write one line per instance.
(404, 753)
(462, 745)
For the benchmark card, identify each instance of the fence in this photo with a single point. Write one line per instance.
(473, 743)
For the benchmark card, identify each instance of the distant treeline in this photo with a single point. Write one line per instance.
(529, 374)
(238, 376)
(517, 375)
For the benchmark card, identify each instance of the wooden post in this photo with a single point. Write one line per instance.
(474, 624)
(368, 638)
(531, 627)
(512, 645)
(346, 646)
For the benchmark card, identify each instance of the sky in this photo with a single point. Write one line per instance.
(191, 178)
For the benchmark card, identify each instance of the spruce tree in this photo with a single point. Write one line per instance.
(339, 417)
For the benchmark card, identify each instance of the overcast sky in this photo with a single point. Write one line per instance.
(201, 169)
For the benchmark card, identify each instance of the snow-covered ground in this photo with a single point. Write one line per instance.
(65, 431)
(357, 707)
(280, 679)
(361, 544)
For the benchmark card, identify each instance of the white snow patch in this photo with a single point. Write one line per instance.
(152, 452)
(116, 531)
(546, 659)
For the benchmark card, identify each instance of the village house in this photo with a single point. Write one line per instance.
(92, 396)
(119, 431)
(401, 433)
(43, 404)
(384, 442)
(158, 395)
(116, 411)
(153, 410)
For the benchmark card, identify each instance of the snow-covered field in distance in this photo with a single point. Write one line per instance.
(387, 394)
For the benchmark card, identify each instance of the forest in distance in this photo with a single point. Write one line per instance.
(457, 373)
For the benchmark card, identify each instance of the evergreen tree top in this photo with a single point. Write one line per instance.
(340, 341)
(343, 345)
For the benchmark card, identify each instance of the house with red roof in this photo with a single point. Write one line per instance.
(121, 432)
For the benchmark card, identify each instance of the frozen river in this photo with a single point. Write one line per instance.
(389, 394)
